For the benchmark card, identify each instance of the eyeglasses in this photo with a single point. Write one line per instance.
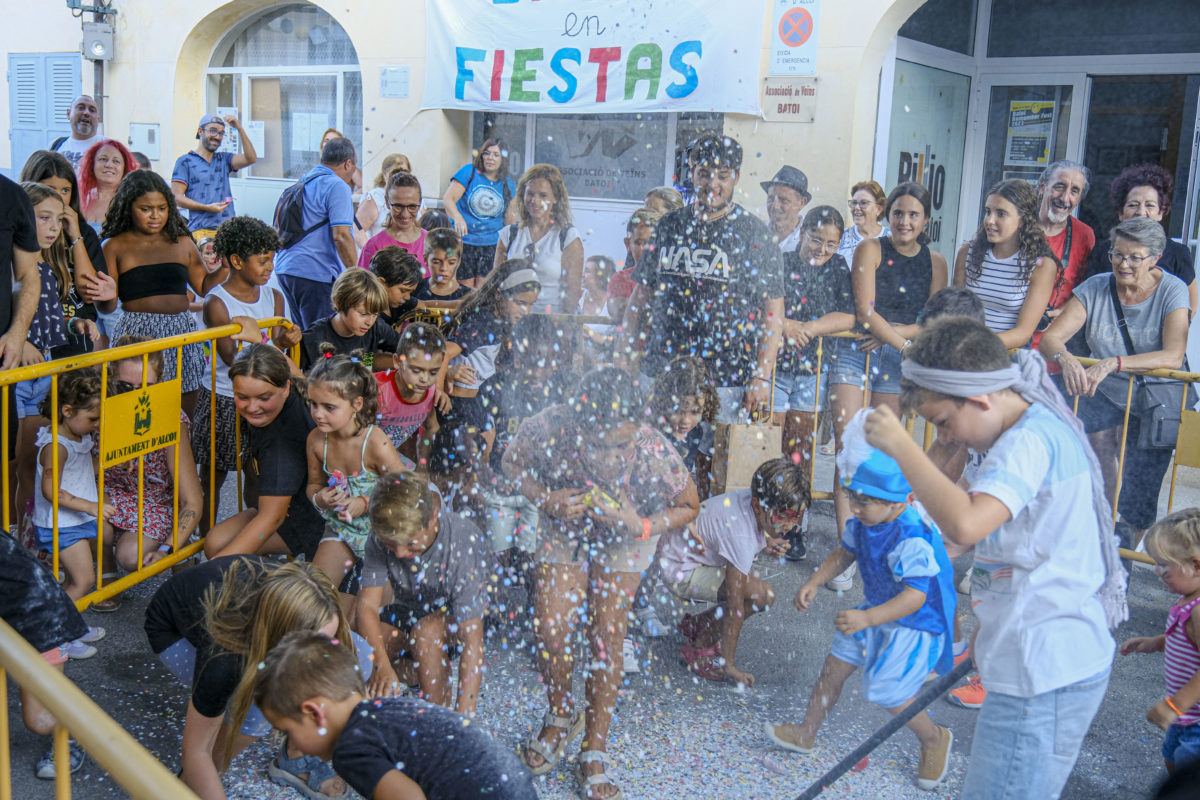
(214, 131)
(399, 208)
(1133, 261)
(823, 247)
(861, 203)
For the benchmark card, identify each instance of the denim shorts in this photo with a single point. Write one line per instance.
(1027, 746)
(797, 393)
(30, 395)
(848, 366)
(512, 521)
(1182, 745)
(66, 536)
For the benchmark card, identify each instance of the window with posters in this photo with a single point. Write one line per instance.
(926, 142)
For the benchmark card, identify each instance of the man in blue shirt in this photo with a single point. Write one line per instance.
(201, 177)
(308, 268)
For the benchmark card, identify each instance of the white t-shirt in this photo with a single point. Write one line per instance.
(264, 308)
(1041, 626)
(379, 195)
(789, 243)
(547, 260)
(730, 534)
(74, 148)
(850, 240)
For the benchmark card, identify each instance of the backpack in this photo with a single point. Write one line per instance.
(289, 215)
(512, 236)
(57, 143)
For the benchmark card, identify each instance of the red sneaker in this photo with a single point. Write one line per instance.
(689, 626)
(705, 662)
(969, 696)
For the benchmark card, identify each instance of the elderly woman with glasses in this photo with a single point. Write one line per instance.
(1145, 190)
(607, 485)
(1139, 299)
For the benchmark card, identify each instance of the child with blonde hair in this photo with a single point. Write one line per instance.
(434, 562)
(1174, 543)
(359, 298)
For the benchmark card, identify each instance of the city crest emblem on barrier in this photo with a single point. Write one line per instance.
(141, 415)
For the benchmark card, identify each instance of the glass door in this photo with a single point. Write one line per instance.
(1139, 119)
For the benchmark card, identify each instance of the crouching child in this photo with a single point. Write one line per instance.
(437, 565)
(714, 562)
(389, 748)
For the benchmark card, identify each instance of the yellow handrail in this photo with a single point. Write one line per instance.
(102, 358)
(133, 768)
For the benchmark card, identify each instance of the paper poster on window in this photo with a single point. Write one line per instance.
(1030, 125)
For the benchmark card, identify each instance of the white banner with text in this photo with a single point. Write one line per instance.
(593, 56)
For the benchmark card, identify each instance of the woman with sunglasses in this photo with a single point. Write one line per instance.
(607, 485)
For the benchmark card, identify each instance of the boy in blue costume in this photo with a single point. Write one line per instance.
(902, 630)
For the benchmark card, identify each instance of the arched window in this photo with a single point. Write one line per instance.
(290, 73)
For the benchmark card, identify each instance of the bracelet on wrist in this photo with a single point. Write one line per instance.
(646, 528)
(1118, 363)
(1171, 705)
(77, 241)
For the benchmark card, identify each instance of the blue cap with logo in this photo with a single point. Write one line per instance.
(879, 477)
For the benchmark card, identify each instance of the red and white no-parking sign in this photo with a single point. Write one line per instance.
(794, 39)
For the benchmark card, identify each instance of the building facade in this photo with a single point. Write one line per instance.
(954, 93)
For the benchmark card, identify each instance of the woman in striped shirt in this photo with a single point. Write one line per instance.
(1008, 264)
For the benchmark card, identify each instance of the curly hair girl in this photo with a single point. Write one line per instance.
(134, 185)
(1032, 243)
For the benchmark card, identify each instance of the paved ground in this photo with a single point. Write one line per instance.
(674, 736)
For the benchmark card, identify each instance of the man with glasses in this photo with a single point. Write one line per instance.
(200, 180)
(787, 195)
(308, 268)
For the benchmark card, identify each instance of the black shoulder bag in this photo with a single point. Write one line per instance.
(1156, 404)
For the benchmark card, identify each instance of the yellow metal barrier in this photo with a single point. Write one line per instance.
(102, 358)
(133, 768)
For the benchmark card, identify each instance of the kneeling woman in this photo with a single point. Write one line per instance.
(606, 486)
(282, 520)
(212, 625)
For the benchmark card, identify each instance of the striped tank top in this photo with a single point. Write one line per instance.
(1000, 290)
(1182, 660)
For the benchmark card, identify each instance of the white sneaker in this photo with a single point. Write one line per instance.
(649, 622)
(629, 657)
(843, 582)
(79, 650)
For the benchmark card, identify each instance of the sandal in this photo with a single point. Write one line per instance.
(107, 605)
(573, 725)
(586, 782)
(287, 771)
(707, 662)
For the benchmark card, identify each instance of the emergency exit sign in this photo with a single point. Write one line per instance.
(789, 99)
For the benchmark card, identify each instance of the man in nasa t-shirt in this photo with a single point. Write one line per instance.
(711, 285)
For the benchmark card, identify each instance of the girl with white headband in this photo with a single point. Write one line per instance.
(1048, 582)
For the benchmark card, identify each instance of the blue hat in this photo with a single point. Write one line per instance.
(880, 477)
(206, 119)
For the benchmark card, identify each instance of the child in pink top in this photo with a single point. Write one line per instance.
(407, 394)
(1174, 543)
